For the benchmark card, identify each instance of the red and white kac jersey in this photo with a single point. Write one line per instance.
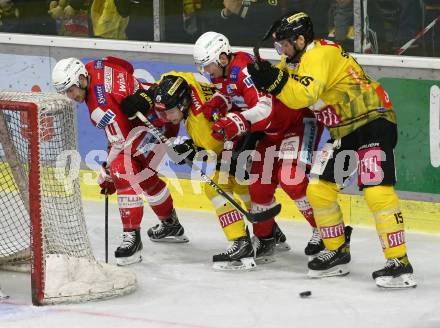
(266, 113)
(111, 80)
(240, 90)
(285, 121)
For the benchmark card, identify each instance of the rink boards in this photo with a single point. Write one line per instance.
(412, 83)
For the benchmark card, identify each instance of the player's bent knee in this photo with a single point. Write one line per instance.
(295, 191)
(322, 193)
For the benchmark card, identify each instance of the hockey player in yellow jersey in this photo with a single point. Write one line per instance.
(356, 109)
(179, 96)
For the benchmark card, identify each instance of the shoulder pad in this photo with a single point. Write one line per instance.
(120, 62)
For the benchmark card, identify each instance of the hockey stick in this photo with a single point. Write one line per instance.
(256, 50)
(106, 226)
(251, 217)
(104, 192)
(266, 35)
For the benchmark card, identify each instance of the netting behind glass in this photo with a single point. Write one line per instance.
(63, 227)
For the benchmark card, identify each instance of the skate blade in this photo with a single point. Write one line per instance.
(265, 259)
(403, 281)
(282, 247)
(338, 270)
(172, 239)
(135, 258)
(244, 264)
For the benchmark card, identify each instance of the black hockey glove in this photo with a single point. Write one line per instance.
(267, 77)
(185, 150)
(141, 101)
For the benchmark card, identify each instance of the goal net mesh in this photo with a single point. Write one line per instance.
(41, 213)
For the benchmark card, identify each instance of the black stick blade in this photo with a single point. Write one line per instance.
(266, 215)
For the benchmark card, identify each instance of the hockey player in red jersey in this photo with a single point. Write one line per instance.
(178, 96)
(133, 152)
(243, 108)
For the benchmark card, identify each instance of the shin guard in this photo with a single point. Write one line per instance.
(384, 203)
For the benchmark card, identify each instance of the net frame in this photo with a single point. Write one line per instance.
(75, 275)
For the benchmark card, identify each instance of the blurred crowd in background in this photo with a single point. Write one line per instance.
(390, 23)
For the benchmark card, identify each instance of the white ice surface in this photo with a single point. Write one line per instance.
(177, 287)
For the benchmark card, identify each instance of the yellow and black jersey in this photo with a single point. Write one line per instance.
(331, 83)
(197, 126)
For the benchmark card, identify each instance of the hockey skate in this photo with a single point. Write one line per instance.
(169, 231)
(129, 251)
(264, 249)
(239, 256)
(315, 245)
(280, 239)
(397, 273)
(332, 263)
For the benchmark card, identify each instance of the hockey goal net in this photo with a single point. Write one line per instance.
(41, 215)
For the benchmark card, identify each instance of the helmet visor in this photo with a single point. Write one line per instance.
(201, 66)
(278, 47)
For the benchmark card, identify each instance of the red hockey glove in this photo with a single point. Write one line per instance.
(105, 181)
(231, 126)
(216, 107)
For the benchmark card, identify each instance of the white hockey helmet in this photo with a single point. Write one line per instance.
(208, 48)
(66, 73)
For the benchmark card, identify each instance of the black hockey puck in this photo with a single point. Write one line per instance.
(306, 293)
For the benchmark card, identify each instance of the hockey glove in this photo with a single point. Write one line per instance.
(105, 181)
(185, 150)
(267, 77)
(141, 101)
(216, 107)
(230, 126)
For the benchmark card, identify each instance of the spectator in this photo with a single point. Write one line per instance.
(9, 16)
(106, 21)
(191, 9)
(140, 13)
(31, 17)
(410, 22)
(383, 19)
(341, 23)
(71, 17)
(254, 15)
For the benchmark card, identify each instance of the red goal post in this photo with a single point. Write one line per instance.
(41, 216)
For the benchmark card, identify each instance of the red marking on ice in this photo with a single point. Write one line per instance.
(55, 309)
(36, 88)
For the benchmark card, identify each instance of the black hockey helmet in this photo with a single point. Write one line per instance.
(173, 91)
(291, 26)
